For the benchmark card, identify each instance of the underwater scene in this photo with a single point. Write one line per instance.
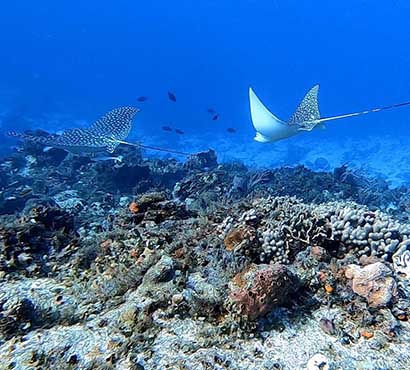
(205, 185)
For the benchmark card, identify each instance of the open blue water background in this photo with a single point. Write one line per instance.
(79, 59)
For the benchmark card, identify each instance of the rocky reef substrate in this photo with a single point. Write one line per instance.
(159, 264)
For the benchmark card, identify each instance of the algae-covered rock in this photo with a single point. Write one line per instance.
(28, 304)
(202, 160)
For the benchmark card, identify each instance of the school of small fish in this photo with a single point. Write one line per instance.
(214, 115)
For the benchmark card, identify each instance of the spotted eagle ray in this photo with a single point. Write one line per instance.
(269, 128)
(105, 134)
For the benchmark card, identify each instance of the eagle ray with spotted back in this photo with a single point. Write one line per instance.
(270, 128)
(307, 112)
(103, 135)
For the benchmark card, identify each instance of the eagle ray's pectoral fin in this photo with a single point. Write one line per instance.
(265, 123)
(309, 126)
(307, 114)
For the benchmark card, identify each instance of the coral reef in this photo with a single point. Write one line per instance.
(156, 264)
(28, 243)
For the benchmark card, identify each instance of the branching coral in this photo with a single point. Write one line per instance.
(284, 226)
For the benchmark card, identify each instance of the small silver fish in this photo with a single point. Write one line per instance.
(16, 148)
(117, 159)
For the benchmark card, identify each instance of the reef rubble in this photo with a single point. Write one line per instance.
(160, 264)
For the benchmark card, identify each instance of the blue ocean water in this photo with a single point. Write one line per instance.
(65, 63)
(123, 262)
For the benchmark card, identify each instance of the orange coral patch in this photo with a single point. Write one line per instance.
(133, 207)
(233, 239)
(367, 334)
(329, 289)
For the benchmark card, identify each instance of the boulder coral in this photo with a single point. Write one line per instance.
(260, 288)
(373, 282)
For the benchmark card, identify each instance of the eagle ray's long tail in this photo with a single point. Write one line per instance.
(137, 145)
(354, 114)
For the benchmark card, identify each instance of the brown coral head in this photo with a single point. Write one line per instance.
(235, 237)
(133, 207)
(265, 287)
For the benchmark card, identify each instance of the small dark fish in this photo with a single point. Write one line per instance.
(142, 98)
(211, 111)
(215, 117)
(172, 96)
(178, 131)
(231, 130)
(166, 128)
